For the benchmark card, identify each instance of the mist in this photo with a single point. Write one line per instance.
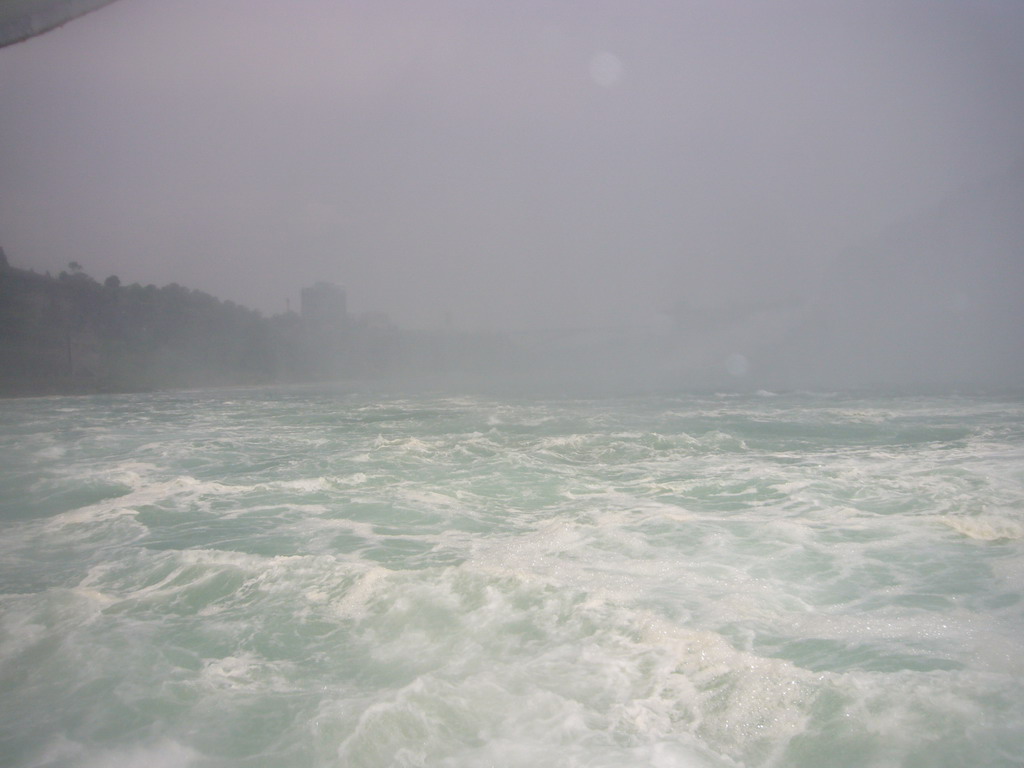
(699, 194)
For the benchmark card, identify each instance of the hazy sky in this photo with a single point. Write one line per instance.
(528, 164)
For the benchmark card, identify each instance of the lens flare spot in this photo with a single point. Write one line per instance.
(606, 69)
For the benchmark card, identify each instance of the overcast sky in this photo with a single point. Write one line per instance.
(504, 165)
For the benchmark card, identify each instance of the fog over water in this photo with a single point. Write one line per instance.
(779, 190)
(633, 384)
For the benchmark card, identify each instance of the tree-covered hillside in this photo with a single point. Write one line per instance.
(73, 334)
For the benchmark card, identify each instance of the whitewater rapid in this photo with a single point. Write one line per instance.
(315, 577)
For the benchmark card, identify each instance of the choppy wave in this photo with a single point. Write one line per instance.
(297, 578)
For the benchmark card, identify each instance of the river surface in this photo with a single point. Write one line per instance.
(318, 577)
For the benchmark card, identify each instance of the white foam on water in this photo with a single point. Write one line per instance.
(748, 707)
(427, 499)
(988, 526)
(248, 673)
(317, 525)
(483, 722)
(197, 581)
(354, 602)
(576, 670)
(183, 488)
(21, 627)
(63, 752)
(582, 584)
(404, 445)
(187, 492)
(302, 485)
(51, 452)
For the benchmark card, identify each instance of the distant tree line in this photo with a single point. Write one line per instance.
(73, 334)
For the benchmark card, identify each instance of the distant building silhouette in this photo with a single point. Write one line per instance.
(323, 308)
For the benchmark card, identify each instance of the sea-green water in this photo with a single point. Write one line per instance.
(325, 578)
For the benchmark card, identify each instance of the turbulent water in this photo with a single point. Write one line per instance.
(324, 578)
